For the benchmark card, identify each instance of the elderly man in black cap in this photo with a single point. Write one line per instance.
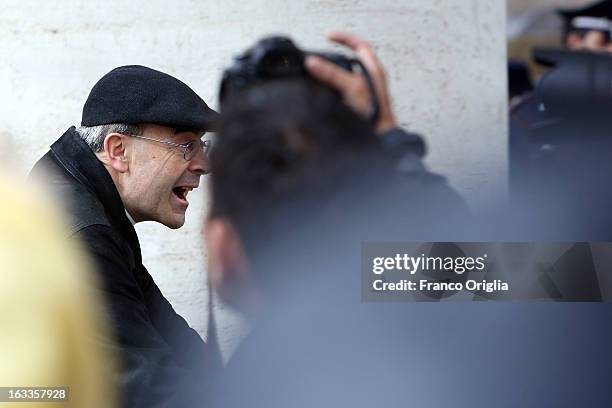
(136, 156)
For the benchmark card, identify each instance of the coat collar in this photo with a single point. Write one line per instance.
(72, 153)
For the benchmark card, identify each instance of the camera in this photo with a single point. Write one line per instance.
(277, 57)
(579, 85)
(560, 145)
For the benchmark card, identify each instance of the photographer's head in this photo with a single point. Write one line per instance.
(146, 127)
(285, 150)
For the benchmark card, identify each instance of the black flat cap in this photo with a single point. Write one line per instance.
(135, 94)
(599, 9)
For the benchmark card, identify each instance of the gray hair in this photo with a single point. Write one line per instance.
(94, 135)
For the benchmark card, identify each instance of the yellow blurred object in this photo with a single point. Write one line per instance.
(49, 311)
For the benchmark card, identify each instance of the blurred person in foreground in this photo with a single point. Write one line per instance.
(299, 181)
(296, 156)
(48, 310)
(136, 156)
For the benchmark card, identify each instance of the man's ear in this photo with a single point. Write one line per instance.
(114, 154)
(228, 266)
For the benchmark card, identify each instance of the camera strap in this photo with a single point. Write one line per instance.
(374, 110)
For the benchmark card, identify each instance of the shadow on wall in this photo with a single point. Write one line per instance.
(519, 6)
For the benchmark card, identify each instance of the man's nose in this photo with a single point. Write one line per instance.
(199, 164)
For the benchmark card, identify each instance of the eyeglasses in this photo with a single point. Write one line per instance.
(189, 149)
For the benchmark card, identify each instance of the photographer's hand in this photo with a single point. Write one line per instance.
(353, 86)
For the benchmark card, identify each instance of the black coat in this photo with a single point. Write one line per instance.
(164, 363)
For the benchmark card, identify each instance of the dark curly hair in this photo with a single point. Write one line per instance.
(283, 150)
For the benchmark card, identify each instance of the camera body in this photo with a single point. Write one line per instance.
(278, 57)
(579, 85)
(271, 58)
(561, 144)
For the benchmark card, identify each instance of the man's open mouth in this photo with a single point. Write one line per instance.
(181, 192)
